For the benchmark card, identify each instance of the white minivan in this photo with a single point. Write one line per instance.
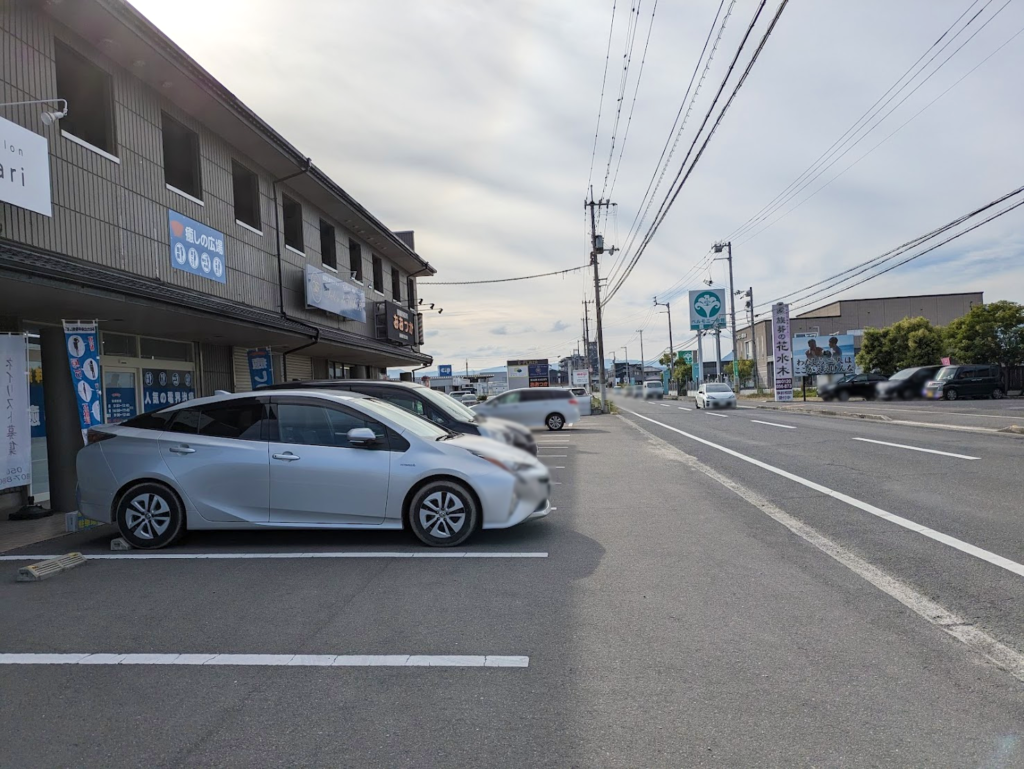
(551, 407)
(584, 399)
(652, 389)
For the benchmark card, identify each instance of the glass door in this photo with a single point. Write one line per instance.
(120, 394)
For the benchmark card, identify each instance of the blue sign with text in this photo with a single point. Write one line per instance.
(165, 388)
(121, 404)
(196, 248)
(444, 370)
(261, 367)
(83, 346)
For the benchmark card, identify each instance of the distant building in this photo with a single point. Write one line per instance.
(852, 316)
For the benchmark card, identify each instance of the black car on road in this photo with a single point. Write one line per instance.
(430, 404)
(851, 386)
(906, 384)
(952, 382)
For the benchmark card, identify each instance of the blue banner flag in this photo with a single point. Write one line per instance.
(82, 341)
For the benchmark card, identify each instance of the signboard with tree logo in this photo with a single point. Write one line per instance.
(707, 309)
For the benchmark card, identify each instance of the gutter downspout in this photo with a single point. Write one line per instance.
(280, 271)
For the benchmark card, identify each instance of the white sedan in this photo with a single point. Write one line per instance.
(715, 396)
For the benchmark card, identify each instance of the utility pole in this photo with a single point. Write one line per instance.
(700, 360)
(643, 374)
(629, 379)
(732, 303)
(753, 336)
(597, 247)
(615, 372)
(668, 306)
(586, 335)
(718, 354)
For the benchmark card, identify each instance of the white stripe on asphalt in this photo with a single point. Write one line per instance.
(915, 448)
(712, 414)
(683, 408)
(261, 556)
(938, 536)
(746, 407)
(275, 660)
(557, 467)
(773, 424)
(552, 456)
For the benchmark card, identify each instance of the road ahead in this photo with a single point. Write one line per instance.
(681, 607)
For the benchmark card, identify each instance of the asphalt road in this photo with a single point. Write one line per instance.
(671, 623)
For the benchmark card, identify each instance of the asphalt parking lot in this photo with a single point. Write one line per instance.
(655, 618)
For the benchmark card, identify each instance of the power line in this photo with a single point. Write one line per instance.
(600, 103)
(500, 280)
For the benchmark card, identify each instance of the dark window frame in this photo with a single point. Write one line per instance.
(355, 260)
(291, 221)
(177, 141)
(241, 172)
(410, 289)
(86, 112)
(328, 245)
(378, 274)
(396, 285)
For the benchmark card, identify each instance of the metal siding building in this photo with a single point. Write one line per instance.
(105, 253)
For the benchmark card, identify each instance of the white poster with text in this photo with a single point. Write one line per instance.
(16, 443)
(24, 168)
(783, 347)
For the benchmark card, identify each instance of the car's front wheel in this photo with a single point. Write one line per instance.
(951, 394)
(443, 514)
(997, 394)
(150, 516)
(555, 421)
(843, 396)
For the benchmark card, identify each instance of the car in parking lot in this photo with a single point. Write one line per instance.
(427, 403)
(551, 407)
(965, 381)
(851, 386)
(302, 459)
(906, 384)
(714, 395)
(465, 397)
(583, 400)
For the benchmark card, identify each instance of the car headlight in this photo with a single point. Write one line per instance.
(508, 466)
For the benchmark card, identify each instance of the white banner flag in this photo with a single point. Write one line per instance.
(15, 432)
(783, 352)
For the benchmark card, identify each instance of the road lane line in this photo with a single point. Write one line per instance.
(552, 456)
(712, 414)
(938, 536)
(683, 408)
(960, 628)
(773, 424)
(275, 660)
(143, 556)
(746, 407)
(915, 448)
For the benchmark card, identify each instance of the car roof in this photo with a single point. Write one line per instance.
(342, 383)
(226, 397)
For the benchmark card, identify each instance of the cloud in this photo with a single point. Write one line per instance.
(500, 331)
(559, 325)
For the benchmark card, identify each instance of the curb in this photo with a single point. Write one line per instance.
(1010, 431)
(827, 413)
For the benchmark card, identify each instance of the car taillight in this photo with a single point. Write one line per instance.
(573, 402)
(95, 436)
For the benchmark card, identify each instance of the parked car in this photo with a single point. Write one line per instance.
(427, 403)
(851, 386)
(551, 407)
(302, 459)
(583, 400)
(652, 390)
(465, 397)
(906, 384)
(714, 395)
(952, 382)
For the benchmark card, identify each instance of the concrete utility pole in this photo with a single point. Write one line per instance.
(753, 336)
(643, 373)
(732, 303)
(700, 360)
(597, 247)
(629, 379)
(718, 354)
(668, 306)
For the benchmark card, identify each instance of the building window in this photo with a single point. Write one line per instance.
(355, 260)
(337, 370)
(328, 247)
(164, 349)
(292, 222)
(396, 284)
(119, 344)
(410, 291)
(181, 157)
(247, 195)
(90, 101)
(378, 275)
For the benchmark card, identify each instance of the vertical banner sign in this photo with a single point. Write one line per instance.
(161, 387)
(261, 367)
(16, 443)
(84, 360)
(783, 352)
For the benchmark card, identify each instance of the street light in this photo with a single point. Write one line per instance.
(49, 117)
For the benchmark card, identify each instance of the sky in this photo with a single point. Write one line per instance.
(473, 123)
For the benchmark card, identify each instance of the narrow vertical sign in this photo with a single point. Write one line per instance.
(261, 367)
(783, 352)
(82, 341)
(16, 443)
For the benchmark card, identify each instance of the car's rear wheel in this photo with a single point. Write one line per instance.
(150, 516)
(443, 514)
(843, 396)
(555, 421)
(997, 394)
(951, 394)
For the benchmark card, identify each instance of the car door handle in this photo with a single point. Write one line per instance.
(287, 456)
(182, 450)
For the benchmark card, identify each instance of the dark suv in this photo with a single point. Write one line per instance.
(850, 386)
(952, 382)
(429, 404)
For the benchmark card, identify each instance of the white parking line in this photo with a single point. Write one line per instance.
(915, 448)
(683, 408)
(275, 660)
(773, 424)
(146, 556)
(552, 456)
(713, 414)
(557, 467)
(746, 407)
(938, 536)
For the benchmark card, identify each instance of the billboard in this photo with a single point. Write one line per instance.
(686, 356)
(783, 348)
(527, 373)
(25, 170)
(196, 248)
(396, 323)
(824, 354)
(444, 370)
(707, 309)
(326, 291)
(581, 377)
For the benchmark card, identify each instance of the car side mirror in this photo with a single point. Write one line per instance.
(361, 436)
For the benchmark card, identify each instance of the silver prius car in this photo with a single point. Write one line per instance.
(302, 459)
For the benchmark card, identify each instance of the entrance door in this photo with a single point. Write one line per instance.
(120, 394)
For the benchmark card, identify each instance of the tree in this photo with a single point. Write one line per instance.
(989, 333)
(681, 372)
(906, 343)
(746, 369)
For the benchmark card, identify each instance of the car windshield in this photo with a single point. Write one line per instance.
(449, 405)
(904, 374)
(946, 372)
(403, 419)
(652, 385)
(847, 378)
(719, 388)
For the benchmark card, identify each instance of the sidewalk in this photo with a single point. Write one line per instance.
(14, 534)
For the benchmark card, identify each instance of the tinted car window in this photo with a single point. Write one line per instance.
(154, 420)
(404, 400)
(507, 398)
(235, 419)
(532, 396)
(310, 424)
(185, 421)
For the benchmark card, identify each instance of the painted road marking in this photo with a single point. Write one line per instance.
(262, 556)
(938, 536)
(773, 424)
(557, 467)
(746, 407)
(683, 408)
(556, 483)
(552, 456)
(915, 448)
(275, 660)
(712, 414)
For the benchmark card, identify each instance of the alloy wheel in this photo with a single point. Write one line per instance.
(442, 514)
(148, 516)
